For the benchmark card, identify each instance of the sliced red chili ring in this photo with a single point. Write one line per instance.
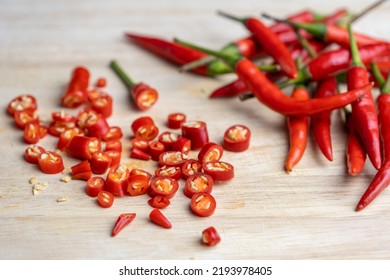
(117, 180)
(144, 128)
(32, 153)
(139, 154)
(219, 170)
(190, 167)
(144, 96)
(43, 130)
(114, 133)
(50, 162)
(159, 219)
(122, 221)
(73, 99)
(97, 127)
(138, 185)
(203, 204)
(100, 162)
(101, 82)
(105, 199)
(156, 149)
(20, 103)
(172, 158)
(175, 120)
(199, 182)
(163, 186)
(31, 133)
(56, 128)
(236, 138)
(67, 136)
(137, 171)
(102, 104)
(63, 117)
(113, 145)
(115, 156)
(168, 138)
(83, 146)
(169, 171)
(159, 202)
(77, 88)
(81, 171)
(210, 236)
(22, 118)
(210, 152)
(196, 131)
(142, 145)
(182, 145)
(95, 185)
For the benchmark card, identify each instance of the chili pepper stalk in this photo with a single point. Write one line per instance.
(270, 95)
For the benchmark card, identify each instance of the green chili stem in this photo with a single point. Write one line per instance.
(229, 16)
(354, 49)
(121, 73)
(377, 74)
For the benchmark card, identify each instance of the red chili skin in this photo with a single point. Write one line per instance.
(320, 123)
(219, 170)
(364, 115)
(122, 221)
(156, 148)
(175, 120)
(113, 145)
(159, 202)
(159, 219)
(298, 128)
(270, 95)
(163, 186)
(210, 152)
(236, 138)
(31, 134)
(139, 154)
(100, 162)
(114, 133)
(99, 128)
(81, 171)
(115, 156)
(196, 132)
(190, 167)
(199, 182)
(203, 204)
(144, 128)
(210, 236)
(24, 102)
(141, 172)
(171, 51)
(66, 137)
(382, 177)
(182, 145)
(32, 153)
(355, 152)
(117, 180)
(94, 186)
(172, 158)
(144, 96)
(22, 118)
(105, 199)
(50, 162)
(76, 92)
(138, 184)
(171, 172)
(83, 146)
(142, 145)
(168, 138)
(102, 104)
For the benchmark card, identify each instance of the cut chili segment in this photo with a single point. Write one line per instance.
(175, 120)
(122, 221)
(81, 171)
(113, 145)
(137, 171)
(168, 138)
(115, 157)
(144, 96)
(156, 149)
(94, 186)
(210, 236)
(100, 162)
(32, 153)
(22, 118)
(31, 133)
(76, 92)
(169, 171)
(102, 104)
(50, 162)
(159, 219)
(210, 152)
(199, 182)
(139, 154)
(190, 167)
(67, 136)
(196, 131)
(172, 158)
(105, 199)
(117, 180)
(159, 202)
(219, 170)
(163, 186)
(182, 145)
(25, 102)
(236, 138)
(138, 184)
(83, 146)
(144, 128)
(203, 204)
(142, 145)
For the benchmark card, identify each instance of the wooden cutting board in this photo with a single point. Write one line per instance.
(263, 213)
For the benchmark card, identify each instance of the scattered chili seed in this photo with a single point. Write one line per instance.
(62, 199)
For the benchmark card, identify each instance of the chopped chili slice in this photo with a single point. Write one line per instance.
(210, 152)
(219, 170)
(137, 171)
(182, 145)
(210, 236)
(102, 104)
(236, 138)
(113, 134)
(139, 154)
(142, 145)
(156, 149)
(101, 82)
(199, 182)
(117, 180)
(105, 199)
(95, 125)
(144, 96)
(159, 219)
(115, 156)
(163, 186)
(21, 103)
(122, 221)
(43, 130)
(190, 167)
(175, 120)
(159, 202)
(100, 162)
(83, 146)
(203, 204)
(169, 171)
(63, 117)
(32, 153)
(56, 128)
(172, 158)
(144, 128)
(77, 88)
(31, 133)
(22, 118)
(113, 145)
(94, 186)
(81, 171)
(168, 138)
(67, 136)
(138, 184)
(50, 162)
(196, 131)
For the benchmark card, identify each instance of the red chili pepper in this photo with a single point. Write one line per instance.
(62, 117)
(24, 102)
(364, 113)
(94, 186)
(83, 146)
(122, 221)
(143, 96)
(203, 204)
(114, 133)
(138, 184)
(102, 104)
(219, 170)
(163, 186)
(199, 182)
(22, 118)
(210, 236)
(190, 167)
(320, 123)
(236, 138)
(156, 149)
(298, 130)
(139, 154)
(50, 162)
(101, 82)
(168, 138)
(115, 156)
(105, 199)
(144, 128)
(169, 171)
(159, 219)
(196, 132)
(172, 158)
(182, 145)
(382, 177)
(210, 152)
(67, 136)
(137, 171)
(159, 202)
(175, 120)
(32, 153)
(57, 128)
(117, 180)
(81, 171)
(142, 145)
(113, 145)
(31, 133)
(76, 92)
(93, 123)
(270, 42)
(100, 162)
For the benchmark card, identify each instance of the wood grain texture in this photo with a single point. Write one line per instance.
(263, 213)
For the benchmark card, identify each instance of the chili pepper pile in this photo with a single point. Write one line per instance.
(331, 55)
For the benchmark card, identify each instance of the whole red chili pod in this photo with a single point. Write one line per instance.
(76, 92)
(196, 132)
(143, 96)
(355, 152)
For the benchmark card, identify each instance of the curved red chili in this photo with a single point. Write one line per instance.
(355, 153)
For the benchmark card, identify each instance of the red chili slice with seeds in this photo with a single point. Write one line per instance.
(32, 153)
(22, 118)
(105, 199)
(190, 167)
(168, 138)
(169, 171)
(94, 186)
(117, 180)
(219, 170)
(31, 134)
(100, 162)
(197, 183)
(83, 146)
(210, 236)
(196, 131)
(21, 103)
(175, 120)
(156, 149)
(114, 133)
(210, 152)
(172, 158)
(81, 171)
(182, 145)
(236, 138)
(163, 186)
(138, 185)
(203, 204)
(159, 202)
(50, 162)
(144, 128)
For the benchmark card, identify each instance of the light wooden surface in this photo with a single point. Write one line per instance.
(263, 213)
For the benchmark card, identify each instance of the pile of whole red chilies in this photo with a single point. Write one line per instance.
(308, 51)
